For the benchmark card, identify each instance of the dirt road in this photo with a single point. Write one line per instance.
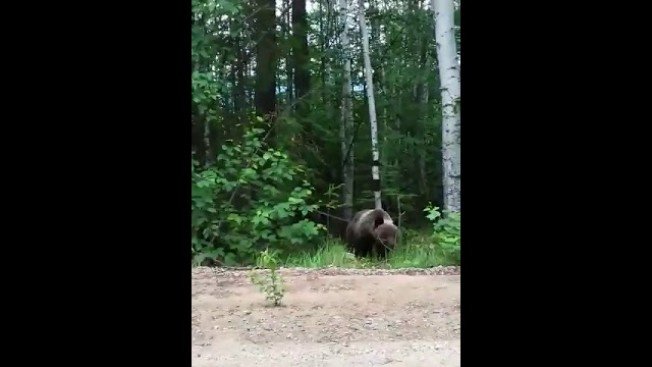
(329, 317)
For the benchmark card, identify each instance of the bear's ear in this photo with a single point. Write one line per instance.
(378, 221)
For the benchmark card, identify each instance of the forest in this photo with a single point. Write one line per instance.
(305, 112)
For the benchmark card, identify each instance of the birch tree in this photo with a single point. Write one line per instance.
(450, 97)
(375, 171)
(346, 126)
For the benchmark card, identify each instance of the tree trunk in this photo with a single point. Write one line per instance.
(322, 48)
(265, 97)
(288, 56)
(450, 97)
(240, 96)
(198, 127)
(300, 51)
(346, 126)
(375, 170)
(207, 143)
(423, 179)
(422, 93)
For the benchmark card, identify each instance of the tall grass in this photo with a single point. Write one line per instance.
(331, 253)
(416, 250)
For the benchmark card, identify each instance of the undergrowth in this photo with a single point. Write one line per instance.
(334, 253)
(417, 248)
(424, 248)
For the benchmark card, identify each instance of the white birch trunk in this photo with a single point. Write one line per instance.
(450, 96)
(346, 126)
(375, 171)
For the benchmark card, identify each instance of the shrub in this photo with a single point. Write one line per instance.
(251, 198)
(446, 232)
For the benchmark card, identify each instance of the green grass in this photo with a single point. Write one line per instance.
(417, 250)
(333, 253)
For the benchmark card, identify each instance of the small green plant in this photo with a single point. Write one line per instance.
(272, 284)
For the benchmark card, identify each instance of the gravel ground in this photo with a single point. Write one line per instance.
(329, 317)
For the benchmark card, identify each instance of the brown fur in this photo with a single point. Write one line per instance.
(371, 231)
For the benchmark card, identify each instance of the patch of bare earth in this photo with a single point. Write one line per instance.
(329, 317)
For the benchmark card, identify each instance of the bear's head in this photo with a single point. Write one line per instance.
(387, 234)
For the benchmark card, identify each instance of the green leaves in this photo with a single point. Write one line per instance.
(447, 232)
(205, 94)
(235, 218)
(271, 217)
(228, 7)
(433, 213)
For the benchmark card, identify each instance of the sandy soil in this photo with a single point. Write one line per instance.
(329, 317)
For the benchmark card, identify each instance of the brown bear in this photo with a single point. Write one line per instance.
(371, 231)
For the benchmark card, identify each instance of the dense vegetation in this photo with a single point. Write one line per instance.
(268, 142)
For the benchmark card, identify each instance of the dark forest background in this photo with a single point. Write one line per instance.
(270, 143)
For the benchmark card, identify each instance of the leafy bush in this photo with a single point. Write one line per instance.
(250, 199)
(447, 232)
